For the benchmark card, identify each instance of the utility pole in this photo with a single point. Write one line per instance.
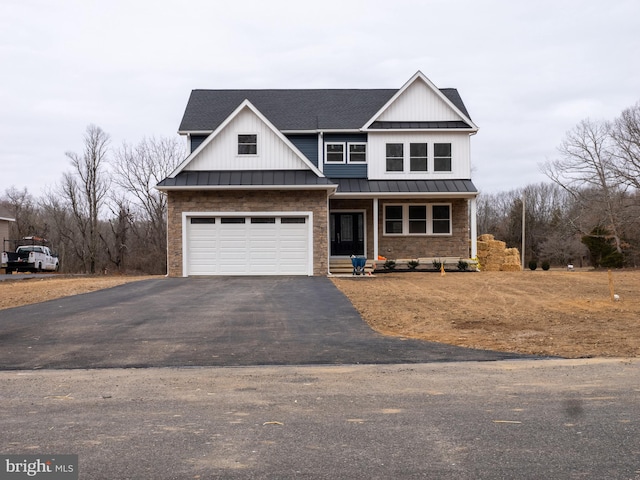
(523, 229)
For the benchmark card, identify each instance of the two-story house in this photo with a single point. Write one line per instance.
(279, 182)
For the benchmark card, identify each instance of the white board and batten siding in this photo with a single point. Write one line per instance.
(222, 152)
(278, 247)
(418, 103)
(460, 155)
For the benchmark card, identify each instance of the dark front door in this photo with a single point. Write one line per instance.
(347, 233)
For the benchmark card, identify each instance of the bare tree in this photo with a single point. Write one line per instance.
(586, 170)
(137, 170)
(626, 136)
(86, 187)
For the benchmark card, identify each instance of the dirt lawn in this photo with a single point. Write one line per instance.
(568, 314)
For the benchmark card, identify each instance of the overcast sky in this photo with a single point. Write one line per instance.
(527, 71)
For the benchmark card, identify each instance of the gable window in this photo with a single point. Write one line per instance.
(418, 157)
(442, 157)
(248, 144)
(334, 153)
(357, 152)
(417, 219)
(395, 157)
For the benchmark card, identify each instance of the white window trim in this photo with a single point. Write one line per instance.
(348, 153)
(248, 154)
(344, 153)
(405, 220)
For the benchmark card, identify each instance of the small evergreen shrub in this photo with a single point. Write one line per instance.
(463, 266)
(437, 264)
(413, 264)
(533, 264)
(390, 265)
(546, 265)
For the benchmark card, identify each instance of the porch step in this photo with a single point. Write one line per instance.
(343, 266)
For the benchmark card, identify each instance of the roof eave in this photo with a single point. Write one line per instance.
(247, 187)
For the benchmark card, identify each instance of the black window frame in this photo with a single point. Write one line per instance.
(442, 161)
(392, 158)
(415, 157)
(247, 144)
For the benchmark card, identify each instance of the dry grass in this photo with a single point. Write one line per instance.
(569, 314)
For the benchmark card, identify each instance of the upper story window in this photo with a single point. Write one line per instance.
(418, 157)
(421, 157)
(357, 152)
(395, 157)
(334, 153)
(442, 157)
(248, 144)
(344, 152)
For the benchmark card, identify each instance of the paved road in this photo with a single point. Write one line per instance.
(228, 321)
(522, 419)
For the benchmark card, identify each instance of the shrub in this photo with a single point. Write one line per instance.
(463, 266)
(437, 263)
(390, 265)
(546, 265)
(533, 264)
(413, 264)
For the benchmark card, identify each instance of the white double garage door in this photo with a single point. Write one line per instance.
(258, 243)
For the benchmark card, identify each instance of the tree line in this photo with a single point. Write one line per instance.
(589, 214)
(105, 215)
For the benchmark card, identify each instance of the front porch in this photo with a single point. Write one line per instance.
(357, 227)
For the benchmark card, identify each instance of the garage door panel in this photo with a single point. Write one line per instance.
(259, 246)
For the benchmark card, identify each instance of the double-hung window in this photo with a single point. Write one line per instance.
(357, 153)
(442, 157)
(418, 157)
(395, 157)
(248, 144)
(417, 219)
(334, 153)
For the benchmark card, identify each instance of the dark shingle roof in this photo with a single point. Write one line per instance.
(294, 109)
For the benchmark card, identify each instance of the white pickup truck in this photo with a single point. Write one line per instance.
(30, 258)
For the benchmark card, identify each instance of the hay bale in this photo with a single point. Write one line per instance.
(494, 256)
(510, 268)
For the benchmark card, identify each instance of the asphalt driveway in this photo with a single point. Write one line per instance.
(212, 321)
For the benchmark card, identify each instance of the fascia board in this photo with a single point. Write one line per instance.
(6, 219)
(436, 90)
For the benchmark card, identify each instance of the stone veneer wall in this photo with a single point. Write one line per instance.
(246, 201)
